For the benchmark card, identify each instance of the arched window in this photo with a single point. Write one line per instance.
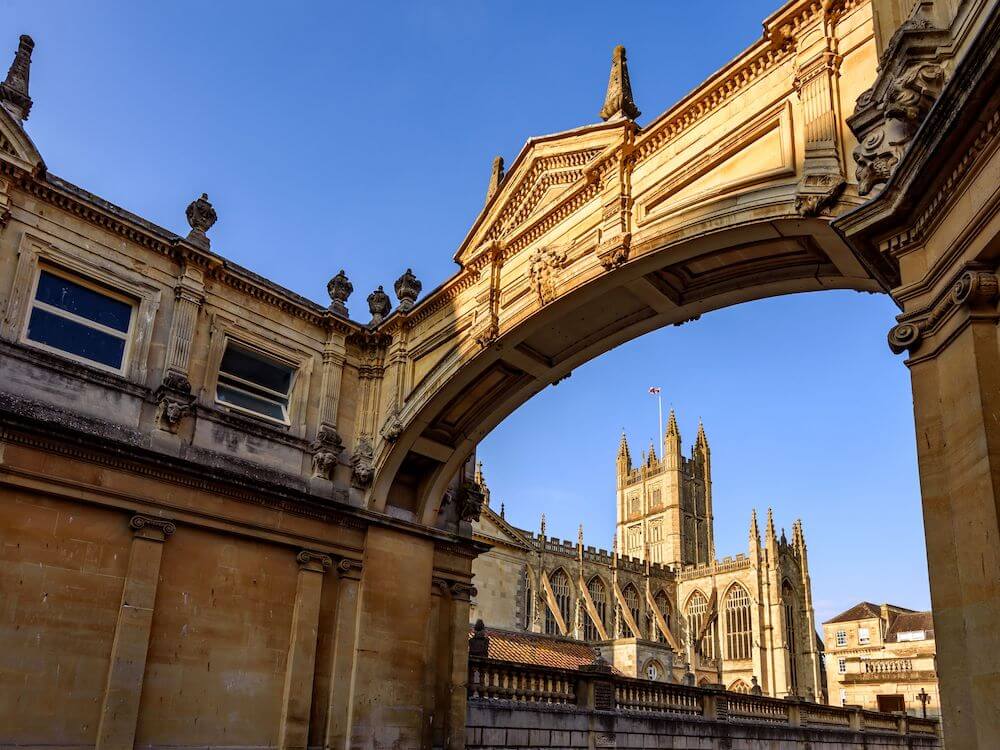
(526, 602)
(697, 610)
(631, 597)
(663, 607)
(739, 687)
(653, 670)
(560, 588)
(791, 642)
(599, 595)
(738, 630)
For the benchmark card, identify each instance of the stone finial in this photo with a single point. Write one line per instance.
(339, 288)
(503, 510)
(201, 217)
(754, 530)
(378, 305)
(618, 102)
(542, 526)
(14, 90)
(479, 644)
(496, 177)
(579, 535)
(407, 289)
(701, 440)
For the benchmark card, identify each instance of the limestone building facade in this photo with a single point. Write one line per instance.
(883, 657)
(660, 604)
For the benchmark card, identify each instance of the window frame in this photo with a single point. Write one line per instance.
(840, 638)
(241, 343)
(864, 636)
(95, 286)
(842, 665)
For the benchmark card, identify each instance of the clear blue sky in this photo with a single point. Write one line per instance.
(360, 135)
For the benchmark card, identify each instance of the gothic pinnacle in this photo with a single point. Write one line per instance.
(14, 90)
(701, 440)
(542, 525)
(672, 426)
(770, 525)
(754, 531)
(496, 177)
(618, 102)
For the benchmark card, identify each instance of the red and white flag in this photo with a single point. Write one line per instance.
(654, 390)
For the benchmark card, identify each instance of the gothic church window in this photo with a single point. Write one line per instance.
(635, 505)
(697, 610)
(737, 609)
(631, 597)
(663, 606)
(560, 588)
(739, 687)
(599, 595)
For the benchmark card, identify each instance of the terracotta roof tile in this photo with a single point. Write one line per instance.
(537, 649)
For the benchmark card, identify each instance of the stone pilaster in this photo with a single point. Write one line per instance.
(293, 731)
(189, 294)
(343, 660)
(120, 703)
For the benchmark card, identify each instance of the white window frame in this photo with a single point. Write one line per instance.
(841, 666)
(82, 265)
(229, 378)
(87, 283)
(864, 636)
(841, 637)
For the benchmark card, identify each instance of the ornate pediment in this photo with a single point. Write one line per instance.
(543, 175)
(16, 147)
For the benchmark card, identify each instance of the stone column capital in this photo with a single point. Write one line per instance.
(316, 562)
(348, 568)
(152, 528)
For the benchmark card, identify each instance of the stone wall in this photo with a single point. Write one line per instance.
(511, 725)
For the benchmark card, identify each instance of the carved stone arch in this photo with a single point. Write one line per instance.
(692, 595)
(737, 620)
(738, 686)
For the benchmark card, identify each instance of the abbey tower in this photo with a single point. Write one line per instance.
(665, 505)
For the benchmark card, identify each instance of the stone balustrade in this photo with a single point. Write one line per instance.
(521, 705)
(885, 666)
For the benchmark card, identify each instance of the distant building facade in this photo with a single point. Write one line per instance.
(661, 605)
(882, 657)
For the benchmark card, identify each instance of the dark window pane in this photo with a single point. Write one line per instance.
(254, 368)
(246, 401)
(75, 338)
(84, 302)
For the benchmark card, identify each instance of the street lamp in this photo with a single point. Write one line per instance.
(924, 697)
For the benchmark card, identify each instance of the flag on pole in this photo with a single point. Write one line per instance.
(654, 390)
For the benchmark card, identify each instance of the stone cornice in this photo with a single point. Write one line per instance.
(91, 208)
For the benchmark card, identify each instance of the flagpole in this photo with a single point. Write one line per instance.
(655, 390)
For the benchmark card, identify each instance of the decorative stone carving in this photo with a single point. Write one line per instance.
(468, 498)
(392, 428)
(462, 591)
(975, 289)
(479, 644)
(362, 464)
(161, 525)
(614, 252)
(818, 192)
(543, 268)
(618, 102)
(407, 288)
(174, 401)
(888, 115)
(346, 565)
(14, 90)
(326, 449)
(339, 288)
(201, 217)
(314, 560)
(378, 305)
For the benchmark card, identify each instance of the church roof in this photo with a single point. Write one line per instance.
(536, 649)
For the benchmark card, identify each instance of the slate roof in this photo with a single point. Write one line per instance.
(906, 622)
(537, 649)
(861, 611)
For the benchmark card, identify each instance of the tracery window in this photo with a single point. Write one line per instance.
(599, 595)
(697, 610)
(560, 589)
(738, 630)
(526, 604)
(631, 597)
(739, 687)
(663, 607)
(788, 597)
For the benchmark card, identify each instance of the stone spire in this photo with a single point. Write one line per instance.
(542, 526)
(651, 456)
(672, 443)
(618, 102)
(754, 530)
(624, 456)
(14, 90)
(496, 177)
(770, 539)
(701, 440)
(672, 426)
